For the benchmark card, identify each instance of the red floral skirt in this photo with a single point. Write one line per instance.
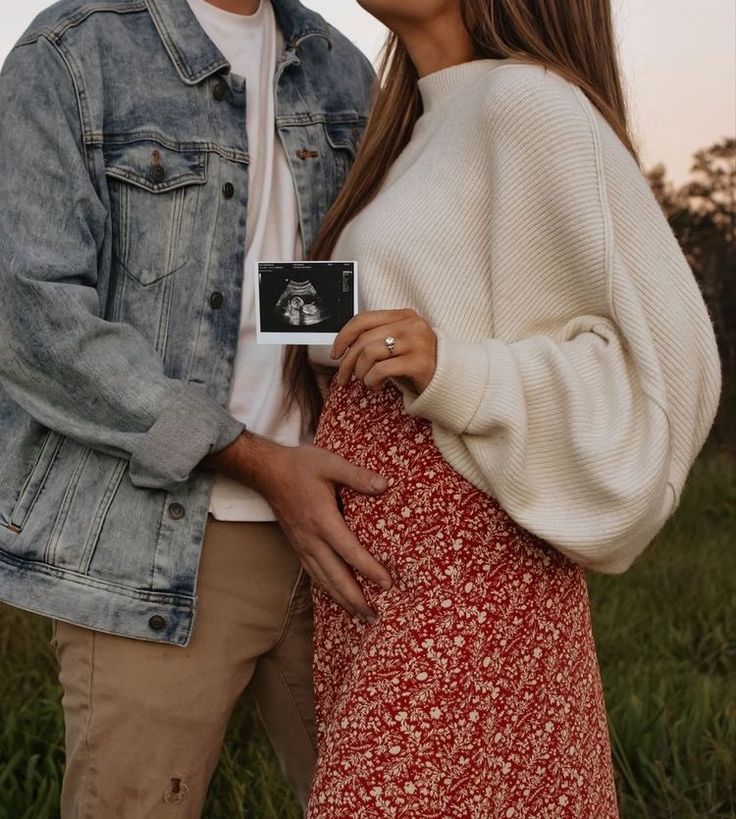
(477, 694)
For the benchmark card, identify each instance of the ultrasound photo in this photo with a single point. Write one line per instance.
(304, 302)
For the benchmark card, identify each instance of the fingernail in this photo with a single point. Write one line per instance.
(379, 484)
(386, 584)
(371, 619)
(332, 353)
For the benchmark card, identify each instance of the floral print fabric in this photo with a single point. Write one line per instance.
(477, 694)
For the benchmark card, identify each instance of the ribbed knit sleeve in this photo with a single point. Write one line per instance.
(584, 409)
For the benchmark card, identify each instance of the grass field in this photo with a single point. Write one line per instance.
(665, 634)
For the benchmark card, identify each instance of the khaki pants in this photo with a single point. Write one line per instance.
(145, 722)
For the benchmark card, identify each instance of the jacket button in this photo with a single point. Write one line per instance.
(158, 174)
(228, 190)
(219, 92)
(216, 300)
(156, 622)
(176, 511)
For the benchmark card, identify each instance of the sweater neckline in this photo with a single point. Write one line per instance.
(447, 82)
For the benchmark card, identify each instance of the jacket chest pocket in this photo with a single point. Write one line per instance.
(154, 193)
(343, 137)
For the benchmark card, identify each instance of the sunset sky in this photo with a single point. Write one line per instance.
(679, 60)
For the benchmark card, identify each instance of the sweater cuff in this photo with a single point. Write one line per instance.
(457, 387)
(191, 426)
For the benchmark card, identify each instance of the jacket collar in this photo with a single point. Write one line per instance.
(297, 22)
(196, 56)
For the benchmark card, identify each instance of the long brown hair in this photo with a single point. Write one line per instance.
(574, 38)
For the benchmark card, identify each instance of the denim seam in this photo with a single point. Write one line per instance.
(288, 687)
(29, 478)
(65, 506)
(299, 38)
(124, 215)
(200, 322)
(164, 312)
(184, 180)
(82, 580)
(322, 169)
(345, 118)
(288, 616)
(100, 516)
(74, 77)
(337, 145)
(88, 748)
(100, 138)
(52, 460)
(77, 82)
(80, 16)
(159, 529)
(41, 488)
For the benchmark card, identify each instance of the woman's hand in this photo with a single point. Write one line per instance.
(362, 345)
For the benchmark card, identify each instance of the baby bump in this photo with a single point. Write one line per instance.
(431, 525)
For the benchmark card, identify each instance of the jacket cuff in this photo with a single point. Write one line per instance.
(191, 426)
(452, 396)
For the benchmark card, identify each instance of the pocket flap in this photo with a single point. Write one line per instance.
(345, 135)
(154, 167)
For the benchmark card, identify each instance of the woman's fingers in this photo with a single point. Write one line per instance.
(361, 357)
(372, 353)
(371, 347)
(364, 322)
(413, 354)
(380, 372)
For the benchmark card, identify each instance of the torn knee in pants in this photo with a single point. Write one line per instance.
(176, 791)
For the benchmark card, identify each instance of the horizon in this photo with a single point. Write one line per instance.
(681, 97)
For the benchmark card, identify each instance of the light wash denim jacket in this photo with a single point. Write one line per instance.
(123, 193)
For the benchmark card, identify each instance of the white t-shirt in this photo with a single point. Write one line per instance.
(252, 44)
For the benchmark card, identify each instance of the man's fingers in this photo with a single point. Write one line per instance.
(344, 542)
(307, 508)
(334, 577)
(344, 473)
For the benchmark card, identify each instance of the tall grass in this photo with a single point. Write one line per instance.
(666, 639)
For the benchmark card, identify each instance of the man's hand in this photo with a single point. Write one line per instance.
(299, 483)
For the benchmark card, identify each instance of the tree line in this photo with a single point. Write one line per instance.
(702, 213)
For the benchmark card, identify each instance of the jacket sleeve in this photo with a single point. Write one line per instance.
(580, 425)
(98, 382)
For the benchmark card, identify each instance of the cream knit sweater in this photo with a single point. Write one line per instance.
(577, 373)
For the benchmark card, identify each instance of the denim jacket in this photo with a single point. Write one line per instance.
(124, 188)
